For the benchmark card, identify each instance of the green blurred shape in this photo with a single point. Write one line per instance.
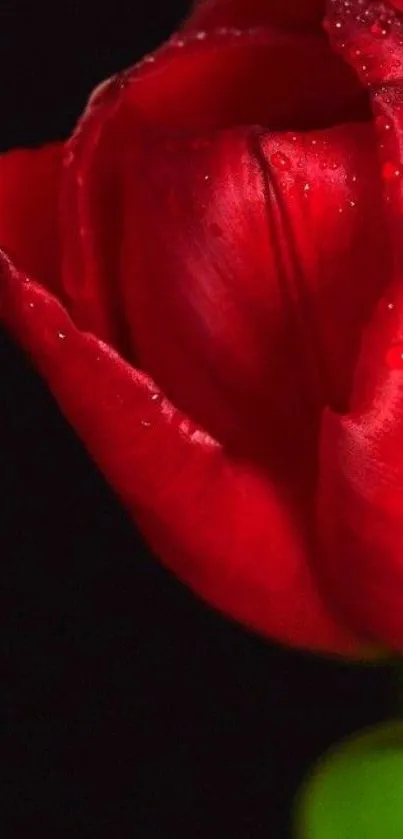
(356, 791)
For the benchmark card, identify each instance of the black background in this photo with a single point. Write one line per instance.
(130, 709)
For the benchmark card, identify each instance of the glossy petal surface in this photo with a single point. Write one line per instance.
(217, 523)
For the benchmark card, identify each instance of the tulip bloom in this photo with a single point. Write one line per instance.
(206, 274)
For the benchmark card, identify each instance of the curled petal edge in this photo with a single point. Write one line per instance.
(218, 525)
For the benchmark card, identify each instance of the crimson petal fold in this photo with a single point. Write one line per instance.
(218, 524)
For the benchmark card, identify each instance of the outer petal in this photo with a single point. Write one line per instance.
(221, 526)
(225, 77)
(301, 15)
(226, 266)
(361, 495)
(29, 201)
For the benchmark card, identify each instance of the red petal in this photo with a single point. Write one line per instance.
(218, 524)
(308, 91)
(234, 260)
(369, 35)
(361, 489)
(29, 197)
(301, 15)
(361, 492)
(223, 78)
(201, 81)
(176, 91)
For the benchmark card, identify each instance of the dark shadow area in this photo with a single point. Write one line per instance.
(129, 708)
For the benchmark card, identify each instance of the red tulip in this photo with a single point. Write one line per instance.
(194, 272)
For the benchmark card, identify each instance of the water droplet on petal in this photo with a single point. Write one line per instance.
(383, 123)
(394, 357)
(61, 335)
(391, 171)
(379, 30)
(280, 161)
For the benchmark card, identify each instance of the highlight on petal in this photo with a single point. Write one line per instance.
(299, 15)
(221, 526)
(29, 203)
